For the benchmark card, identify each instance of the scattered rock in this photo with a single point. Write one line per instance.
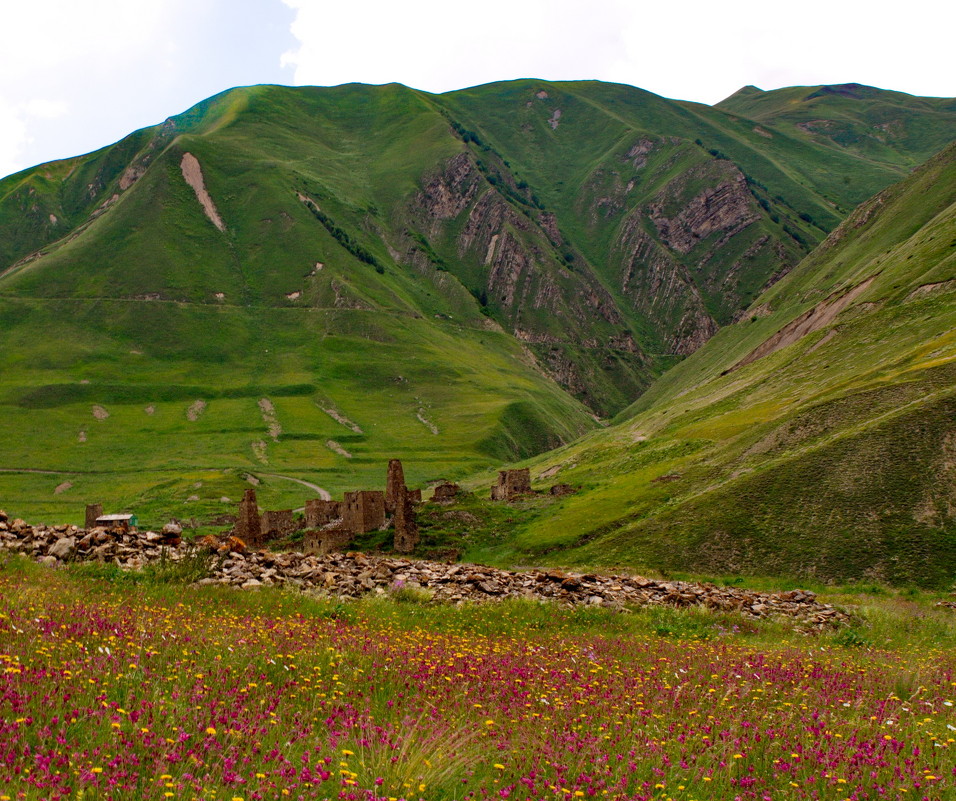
(333, 446)
(195, 410)
(270, 418)
(192, 174)
(341, 419)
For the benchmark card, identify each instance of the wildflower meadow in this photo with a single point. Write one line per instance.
(113, 689)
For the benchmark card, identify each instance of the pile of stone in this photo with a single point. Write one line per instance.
(127, 548)
(351, 575)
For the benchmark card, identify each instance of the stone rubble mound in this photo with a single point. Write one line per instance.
(351, 575)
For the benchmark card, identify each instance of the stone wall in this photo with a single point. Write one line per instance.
(394, 485)
(320, 513)
(445, 493)
(325, 541)
(406, 527)
(93, 511)
(277, 525)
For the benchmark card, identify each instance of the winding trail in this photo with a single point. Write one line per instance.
(324, 494)
(32, 470)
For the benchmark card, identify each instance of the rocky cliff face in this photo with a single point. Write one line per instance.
(508, 255)
(685, 217)
(663, 290)
(691, 240)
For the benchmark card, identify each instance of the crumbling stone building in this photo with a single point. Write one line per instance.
(320, 513)
(445, 492)
(394, 485)
(511, 484)
(364, 511)
(406, 527)
(248, 526)
(93, 511)
(562, 489)
(275, 525)
(327, 540)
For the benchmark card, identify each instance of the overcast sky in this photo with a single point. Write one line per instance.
(76, 75)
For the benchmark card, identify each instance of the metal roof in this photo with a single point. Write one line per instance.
(114, 518)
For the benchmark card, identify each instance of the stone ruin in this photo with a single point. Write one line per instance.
(320, 513)
(562, 489)
(395, 488)
(364, 511)
(445, 493)
(276, 525)
(406, 527)
(248, 526)
(330, 525)
(324, 541)
(512, 484)
(93, 512)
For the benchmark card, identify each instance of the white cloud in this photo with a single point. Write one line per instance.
(693, 50)
(438, 46)
(75, 76)
(58, 56)
(13, 137)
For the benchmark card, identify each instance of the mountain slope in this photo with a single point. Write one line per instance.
(493, 264)
(609, 229)
(816, 437)
(892, 128)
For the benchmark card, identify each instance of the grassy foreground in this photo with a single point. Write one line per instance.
(123, 686)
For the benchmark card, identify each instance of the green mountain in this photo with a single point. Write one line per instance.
(305, 282)
(816, 437)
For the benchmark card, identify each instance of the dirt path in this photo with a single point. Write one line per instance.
(324, 494)
(41, 472)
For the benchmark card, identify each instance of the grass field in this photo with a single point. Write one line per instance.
(117, 685)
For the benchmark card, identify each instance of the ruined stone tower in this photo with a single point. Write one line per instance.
(249, 525)
(406, 528)
(394, 485)
(364, 510)
(93, 511)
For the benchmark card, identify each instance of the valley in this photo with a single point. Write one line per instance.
(304, 283)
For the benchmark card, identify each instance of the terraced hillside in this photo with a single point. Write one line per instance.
(304, 282)
(815, 437)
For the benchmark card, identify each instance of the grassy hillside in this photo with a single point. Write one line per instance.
(830, 453)
(463, 279)
(892, 128)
